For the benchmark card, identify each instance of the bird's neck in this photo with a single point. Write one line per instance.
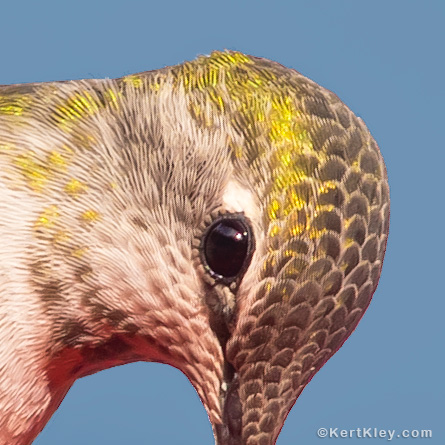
(36, 367)
(33, 384)
(28, 398)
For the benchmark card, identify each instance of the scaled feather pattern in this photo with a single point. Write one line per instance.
(227, 216)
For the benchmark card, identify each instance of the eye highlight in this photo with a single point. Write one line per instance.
(227, 247)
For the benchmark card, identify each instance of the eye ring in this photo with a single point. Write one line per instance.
(226, 247)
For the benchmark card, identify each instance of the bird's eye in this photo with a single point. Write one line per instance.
(227, 247)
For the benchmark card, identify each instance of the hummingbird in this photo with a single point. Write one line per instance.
(226, 216)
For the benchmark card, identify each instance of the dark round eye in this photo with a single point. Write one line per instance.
(227, 247)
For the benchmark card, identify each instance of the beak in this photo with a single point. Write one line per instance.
(229, 432)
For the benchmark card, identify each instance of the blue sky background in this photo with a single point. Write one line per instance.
(385, 60)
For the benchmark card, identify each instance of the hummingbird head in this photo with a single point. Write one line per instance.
(227, 216)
